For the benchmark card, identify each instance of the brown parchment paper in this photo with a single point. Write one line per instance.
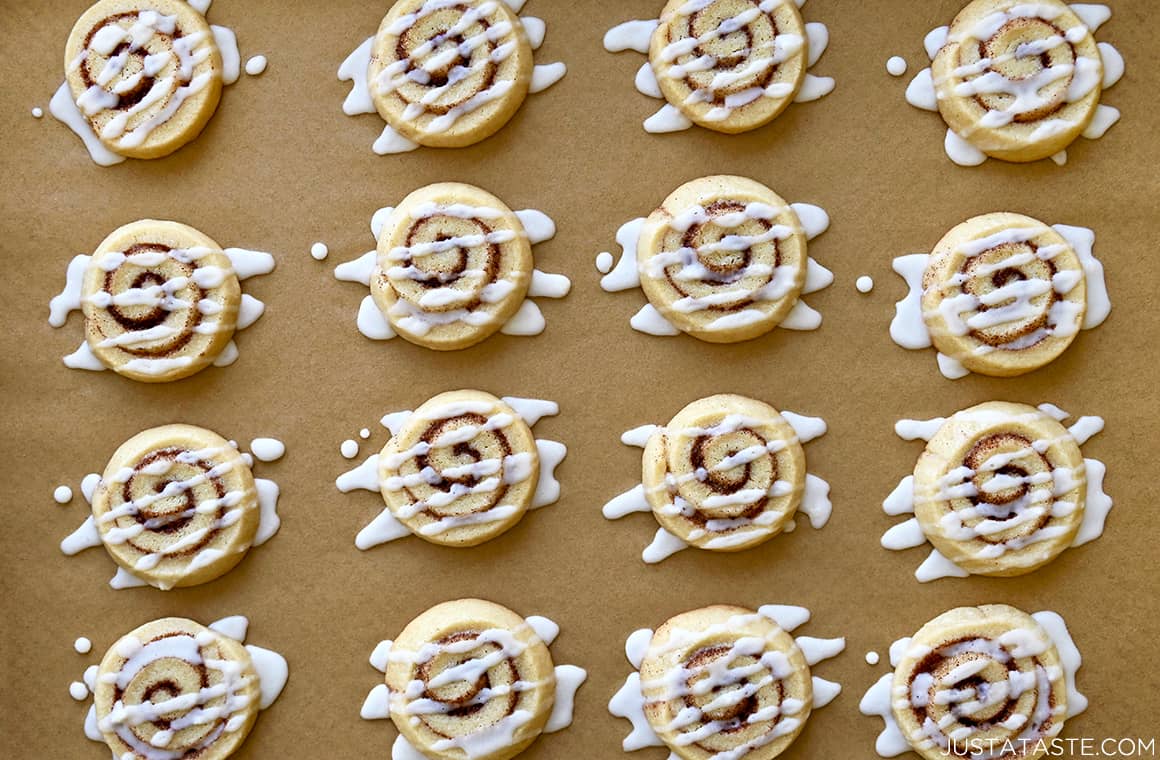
(281, 167)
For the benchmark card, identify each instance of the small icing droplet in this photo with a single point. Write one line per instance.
(871, 658)
(83, 645)
(37, 112)
(267, 449)
(349, 448)
(319, 251)
(365, 433)
(256, 65)
(62, 495)
(896, 65)
(78, 691)
(604, 262)
(865, 284)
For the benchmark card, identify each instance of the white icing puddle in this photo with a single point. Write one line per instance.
(386, 527)
(244, 264)
(527, 321)
(88, 537)
(629, 702)
(355, 69)
(625, 274)
(815, 503)
(908, 328)
(909, 533)
(922, 92)
(636, 35)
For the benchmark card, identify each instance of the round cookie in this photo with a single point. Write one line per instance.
(720, 679)
(753, 471)
(470, 653)
(160, 301)
(723, 259)
(1004, 294)
(147, 74)
(462, 470)
(448, 75)
(176, 506)
(454, 264)
(1010, 104)
(206, 681)
(730, 65)
(1000, 489)
(996, 649)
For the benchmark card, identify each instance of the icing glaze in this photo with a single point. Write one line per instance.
(896, 65)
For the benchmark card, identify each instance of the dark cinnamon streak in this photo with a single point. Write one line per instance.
(735, 717)
(158, 314)
(998, 279)
(413, 38)
(132, 97)
(172, 521)
(441, 277)
(462, 703)
(463, 450)
(739, 57)
(1014, 26)
(164, 689)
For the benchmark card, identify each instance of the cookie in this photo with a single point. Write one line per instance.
(723, 259)
(454, 265)
(145, 74)
(725, 474)
(1002, 294)
(462, 470)
(471, 678)
(724, 681)
(176, 506)
(174, 688)
(992, 677)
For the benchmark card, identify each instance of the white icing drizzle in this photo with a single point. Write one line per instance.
(87, 536)
(1025, 93)
(381, 702)
(82, 645)
(37, 112)
(637, 35)
(192, 708)
(169, 86)
(815, 503)
(872, 658)
(626, 273)
(719, 678)
(267, 449)
(349, 448)
(355, 69)
(386, 527)
(62, 495)
(256, 65)
(527, 321)
(909, 533)
(243, 264)
(896, 65)
(908, 328)
(881, 698)
(864, 284)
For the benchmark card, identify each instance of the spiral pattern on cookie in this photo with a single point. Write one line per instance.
(986, 675)
(725, 474)
(723, 258)
(1000, 489)
(160, 301)
(447, 73)
(470, 678)
(730, 65)
(454, 264)
(462, 470)
(725, 681)
(176, 506)
(1019, 81)
(1003, 294)
(175, 689)
(147, 74)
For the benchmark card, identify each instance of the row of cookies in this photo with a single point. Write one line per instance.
(1000, 489)
(722, 258)
(471, 678)
(1012, 80)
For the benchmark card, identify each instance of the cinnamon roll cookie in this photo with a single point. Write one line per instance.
(723, 259)
(174, 688)
(988, 681)
(446, 74)
(176, 506)
(724, 682)
(725, 474)
(161, 300)
(1002, 294)
(1000, 490)
(143, 77)
(471, 679)
(726, 65)
(1019, 81)
(461, 469)
(453, 267)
